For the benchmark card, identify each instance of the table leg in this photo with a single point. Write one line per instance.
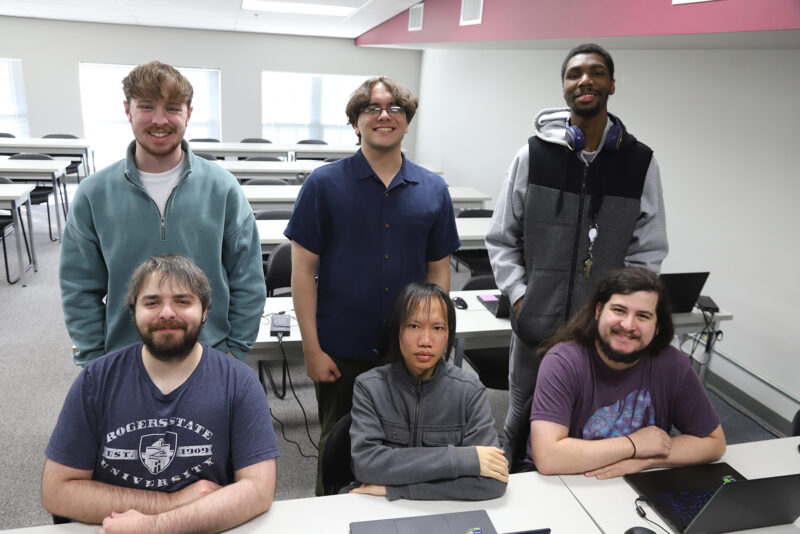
(18, 238)
(56, 194)
(30, 233)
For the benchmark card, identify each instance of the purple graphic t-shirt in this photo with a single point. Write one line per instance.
(576, 389)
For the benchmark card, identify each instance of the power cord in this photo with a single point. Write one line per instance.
(643, 514)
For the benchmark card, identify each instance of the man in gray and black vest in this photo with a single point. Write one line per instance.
(581, 198)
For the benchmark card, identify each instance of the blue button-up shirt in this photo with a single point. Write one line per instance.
(371, 240)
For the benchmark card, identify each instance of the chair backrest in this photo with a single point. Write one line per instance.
(273, 215)
(484, 281)
(517, 463)
(337, 469)
(796, 424)
(331, 159)
(30, 155)
(474, 213)
(262, 158)
(204, 140)
(255, 140)
(205, 155)
(311, 142)
(59, 136)
(279, 268)
(4, 134)
(266, 181)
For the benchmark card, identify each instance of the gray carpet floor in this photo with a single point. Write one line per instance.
(36, 371)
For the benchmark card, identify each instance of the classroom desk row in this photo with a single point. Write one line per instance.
(24, 170)
(12, 197)
(294, 172)
(471, 232)
(282, 197)
(565, 504)
(50, 145)
(286, 152)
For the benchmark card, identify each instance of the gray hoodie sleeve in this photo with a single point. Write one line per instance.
(649, 245)
(504, 238)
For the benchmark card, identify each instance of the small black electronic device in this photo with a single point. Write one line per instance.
(280, 324)
(459, 303)
(707, 304)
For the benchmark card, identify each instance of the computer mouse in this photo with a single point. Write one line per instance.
(460, 303)
(639, 530)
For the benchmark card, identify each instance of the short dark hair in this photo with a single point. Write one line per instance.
(589, 48)
(413, 296)
(582, 327)
(178, 269)
(157, 80)
(361, 97)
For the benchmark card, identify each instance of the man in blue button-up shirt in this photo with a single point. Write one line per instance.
(367, 225)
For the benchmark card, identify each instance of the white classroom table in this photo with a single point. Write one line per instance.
(294, 171)
(610, 502)
(531, 501)
(262, 197)
(51, 145)
(471, 232)
(12, 196)
(286, 152)
(33, 170)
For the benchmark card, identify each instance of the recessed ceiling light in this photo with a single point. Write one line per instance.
(297, 8)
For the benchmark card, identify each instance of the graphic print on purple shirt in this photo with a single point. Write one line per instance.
(621, 418)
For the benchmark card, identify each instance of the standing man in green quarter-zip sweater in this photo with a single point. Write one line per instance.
(582, 197)
(160, 199)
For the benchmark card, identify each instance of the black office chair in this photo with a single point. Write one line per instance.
(517, 463)
(311, 142)
(273, 215)
(266, 181)
(337, 471)
(204, 140)
(491, 364)
(279, 270)
(475, 259)
(205, 155)
(331, 159)
(6, 229)
(75, 165)
(41, 193)
(796, 424)
(262, 158)
(255, 140)
(4, 134)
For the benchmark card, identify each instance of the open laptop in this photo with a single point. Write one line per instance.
(715, 498)
(683, 289)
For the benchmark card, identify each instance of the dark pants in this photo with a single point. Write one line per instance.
(334, 401)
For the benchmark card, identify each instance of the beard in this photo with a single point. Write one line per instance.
(615, 356)
(593, 111)
(170, 350)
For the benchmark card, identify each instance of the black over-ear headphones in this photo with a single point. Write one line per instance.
(576, 141)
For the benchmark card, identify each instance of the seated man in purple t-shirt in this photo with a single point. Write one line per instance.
(611, 388)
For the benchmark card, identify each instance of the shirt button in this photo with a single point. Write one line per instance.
(383, 321)
(386, 289)
(394, 435)
(385, 256)
(386, 195)
(386, 225)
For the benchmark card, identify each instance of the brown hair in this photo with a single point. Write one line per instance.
(582, 328)
(361, 97)
(173, 268)
(156, 80)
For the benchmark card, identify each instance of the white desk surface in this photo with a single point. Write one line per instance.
(254, 168)
(33, 166)
(280, 150)
(531, 501)
(275, 196)
(13, 192)
(472, 232)
(610, 502)
(40, 143)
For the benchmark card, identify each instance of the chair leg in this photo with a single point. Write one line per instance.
(49, 223)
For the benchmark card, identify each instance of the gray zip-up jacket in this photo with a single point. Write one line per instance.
(418, 438)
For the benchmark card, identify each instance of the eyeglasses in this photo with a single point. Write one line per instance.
(391, 110)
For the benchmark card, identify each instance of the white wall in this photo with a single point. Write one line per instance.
(52, 50)
(723, 125)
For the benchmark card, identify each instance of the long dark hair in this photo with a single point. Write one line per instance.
(582, 327)
(413, 296)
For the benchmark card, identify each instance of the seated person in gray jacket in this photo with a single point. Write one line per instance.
(422, 428)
